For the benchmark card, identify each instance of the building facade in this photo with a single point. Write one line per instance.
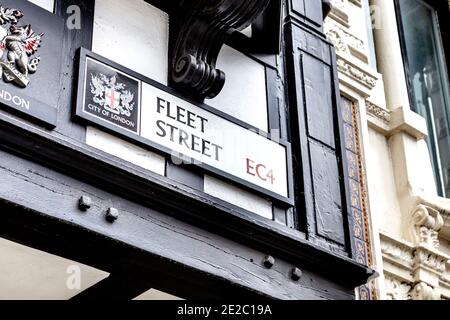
(185, 148)
(393, 64)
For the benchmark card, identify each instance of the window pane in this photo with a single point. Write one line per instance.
(429, 82)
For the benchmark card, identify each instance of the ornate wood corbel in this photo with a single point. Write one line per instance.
(206, 26)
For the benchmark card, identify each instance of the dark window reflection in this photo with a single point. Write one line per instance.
(429, 82)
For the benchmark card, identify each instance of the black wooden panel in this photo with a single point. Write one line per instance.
(273, 101)
(143, 238)
(313, 10)
(317, 47)
(74, 39)
(306, 12)
(299, 6)
(319, 104)
(280, 215)
(316, 136)
(186, 175)
(327, 190)
(118, 286)
(167, 228)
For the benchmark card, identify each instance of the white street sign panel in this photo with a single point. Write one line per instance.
(149, 113)
(194, 132)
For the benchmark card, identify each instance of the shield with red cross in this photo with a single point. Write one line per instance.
(112, 98)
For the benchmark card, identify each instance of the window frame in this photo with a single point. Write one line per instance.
(442, 33)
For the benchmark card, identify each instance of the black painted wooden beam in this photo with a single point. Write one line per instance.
(184, 203)
(118, 286)
(128, 265)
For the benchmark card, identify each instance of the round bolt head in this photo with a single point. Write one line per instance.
(112, 214)
(269, 262)
(296, 274)
(84, 203)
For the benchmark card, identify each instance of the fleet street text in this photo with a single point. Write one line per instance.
(179, 134)
(181, 115)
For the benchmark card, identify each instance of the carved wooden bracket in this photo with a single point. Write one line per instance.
(206, 25)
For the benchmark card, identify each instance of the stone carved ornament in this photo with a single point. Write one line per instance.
(356, 73)
(423, 291)
(344, 40)
(378, 112)
(427, 258)
(427, 267)
(336, 37)
(402, 259)
(398, 252)
(396, 289)
(427, 222)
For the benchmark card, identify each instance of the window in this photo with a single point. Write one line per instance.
(428, 80)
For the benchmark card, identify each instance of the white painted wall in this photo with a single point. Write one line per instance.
(156, 295)
(46, 4)
(248, 31)
(381, 184)
(238, 197)
(128, 40)
(134, 34)
(127, 151)
(244, 95)
(28, 274)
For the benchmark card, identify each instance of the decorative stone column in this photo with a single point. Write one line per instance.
(389, 54)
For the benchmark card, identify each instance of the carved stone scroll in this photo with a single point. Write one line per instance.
(427, 222)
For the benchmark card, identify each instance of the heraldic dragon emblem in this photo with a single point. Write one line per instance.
(112, 95)
(19, 44)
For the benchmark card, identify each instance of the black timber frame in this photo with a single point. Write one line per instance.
(59, 167)
(150, 191)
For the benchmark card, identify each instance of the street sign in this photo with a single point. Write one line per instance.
(153, 115)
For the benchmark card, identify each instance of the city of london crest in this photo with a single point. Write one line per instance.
(112, 95)
(18, 46)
